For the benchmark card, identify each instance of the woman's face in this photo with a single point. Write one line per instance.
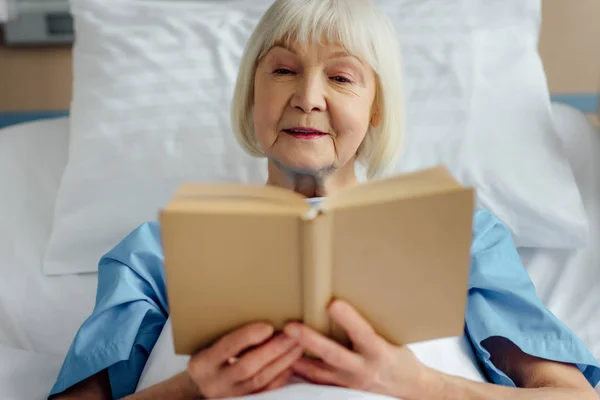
(312, 107)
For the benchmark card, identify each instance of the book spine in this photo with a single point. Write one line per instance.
(317, 272)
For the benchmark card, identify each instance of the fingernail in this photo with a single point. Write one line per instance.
(266, 329)
(292, 331)
(336, 304)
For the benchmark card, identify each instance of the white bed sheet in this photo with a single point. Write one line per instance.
(37, 312)
(26, 375)
(39, 315)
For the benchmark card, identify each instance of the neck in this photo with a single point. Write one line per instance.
(312, 184)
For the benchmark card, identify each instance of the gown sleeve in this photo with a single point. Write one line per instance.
(129, 314)
(502, 301)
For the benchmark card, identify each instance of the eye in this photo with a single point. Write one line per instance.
(340, 79)
(282, 71)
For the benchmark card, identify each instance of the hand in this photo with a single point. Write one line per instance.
(266, 366)
(373, 365)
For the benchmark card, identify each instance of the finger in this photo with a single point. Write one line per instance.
(255, 360)
(237, 341)
(317, 372)
(280, 381)
(361, 333)
(270, 372)
(328, 350)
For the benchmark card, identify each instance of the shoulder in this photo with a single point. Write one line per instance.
(140, 249)
(147, 231)
(496, 265)
(494, 256)
(489, 232)
(144, 236)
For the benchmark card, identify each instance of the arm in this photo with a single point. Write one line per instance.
(130, 289)
(450, 387)
(377, 366)
(507, 321)
(264, 362)
(96, 387)
(532, 372)
(536, 378)
(179, 387)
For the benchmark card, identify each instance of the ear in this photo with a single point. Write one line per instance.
(376, 119)
(375, 114)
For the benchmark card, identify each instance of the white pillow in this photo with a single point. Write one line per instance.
(153, 83)
(453, 356)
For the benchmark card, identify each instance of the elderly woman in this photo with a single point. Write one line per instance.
(319, 88)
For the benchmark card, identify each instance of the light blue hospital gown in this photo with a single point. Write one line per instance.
(131, 309)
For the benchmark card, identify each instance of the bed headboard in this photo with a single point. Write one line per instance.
(36, 82)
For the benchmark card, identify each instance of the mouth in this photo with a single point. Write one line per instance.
(305, 133)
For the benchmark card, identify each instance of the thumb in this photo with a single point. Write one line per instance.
(359, 330)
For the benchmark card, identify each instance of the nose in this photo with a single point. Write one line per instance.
(309, 95)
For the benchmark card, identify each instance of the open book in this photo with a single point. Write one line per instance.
(397, 249)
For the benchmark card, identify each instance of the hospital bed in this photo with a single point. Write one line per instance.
(40, 313)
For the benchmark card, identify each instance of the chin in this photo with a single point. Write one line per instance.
(308, 167)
